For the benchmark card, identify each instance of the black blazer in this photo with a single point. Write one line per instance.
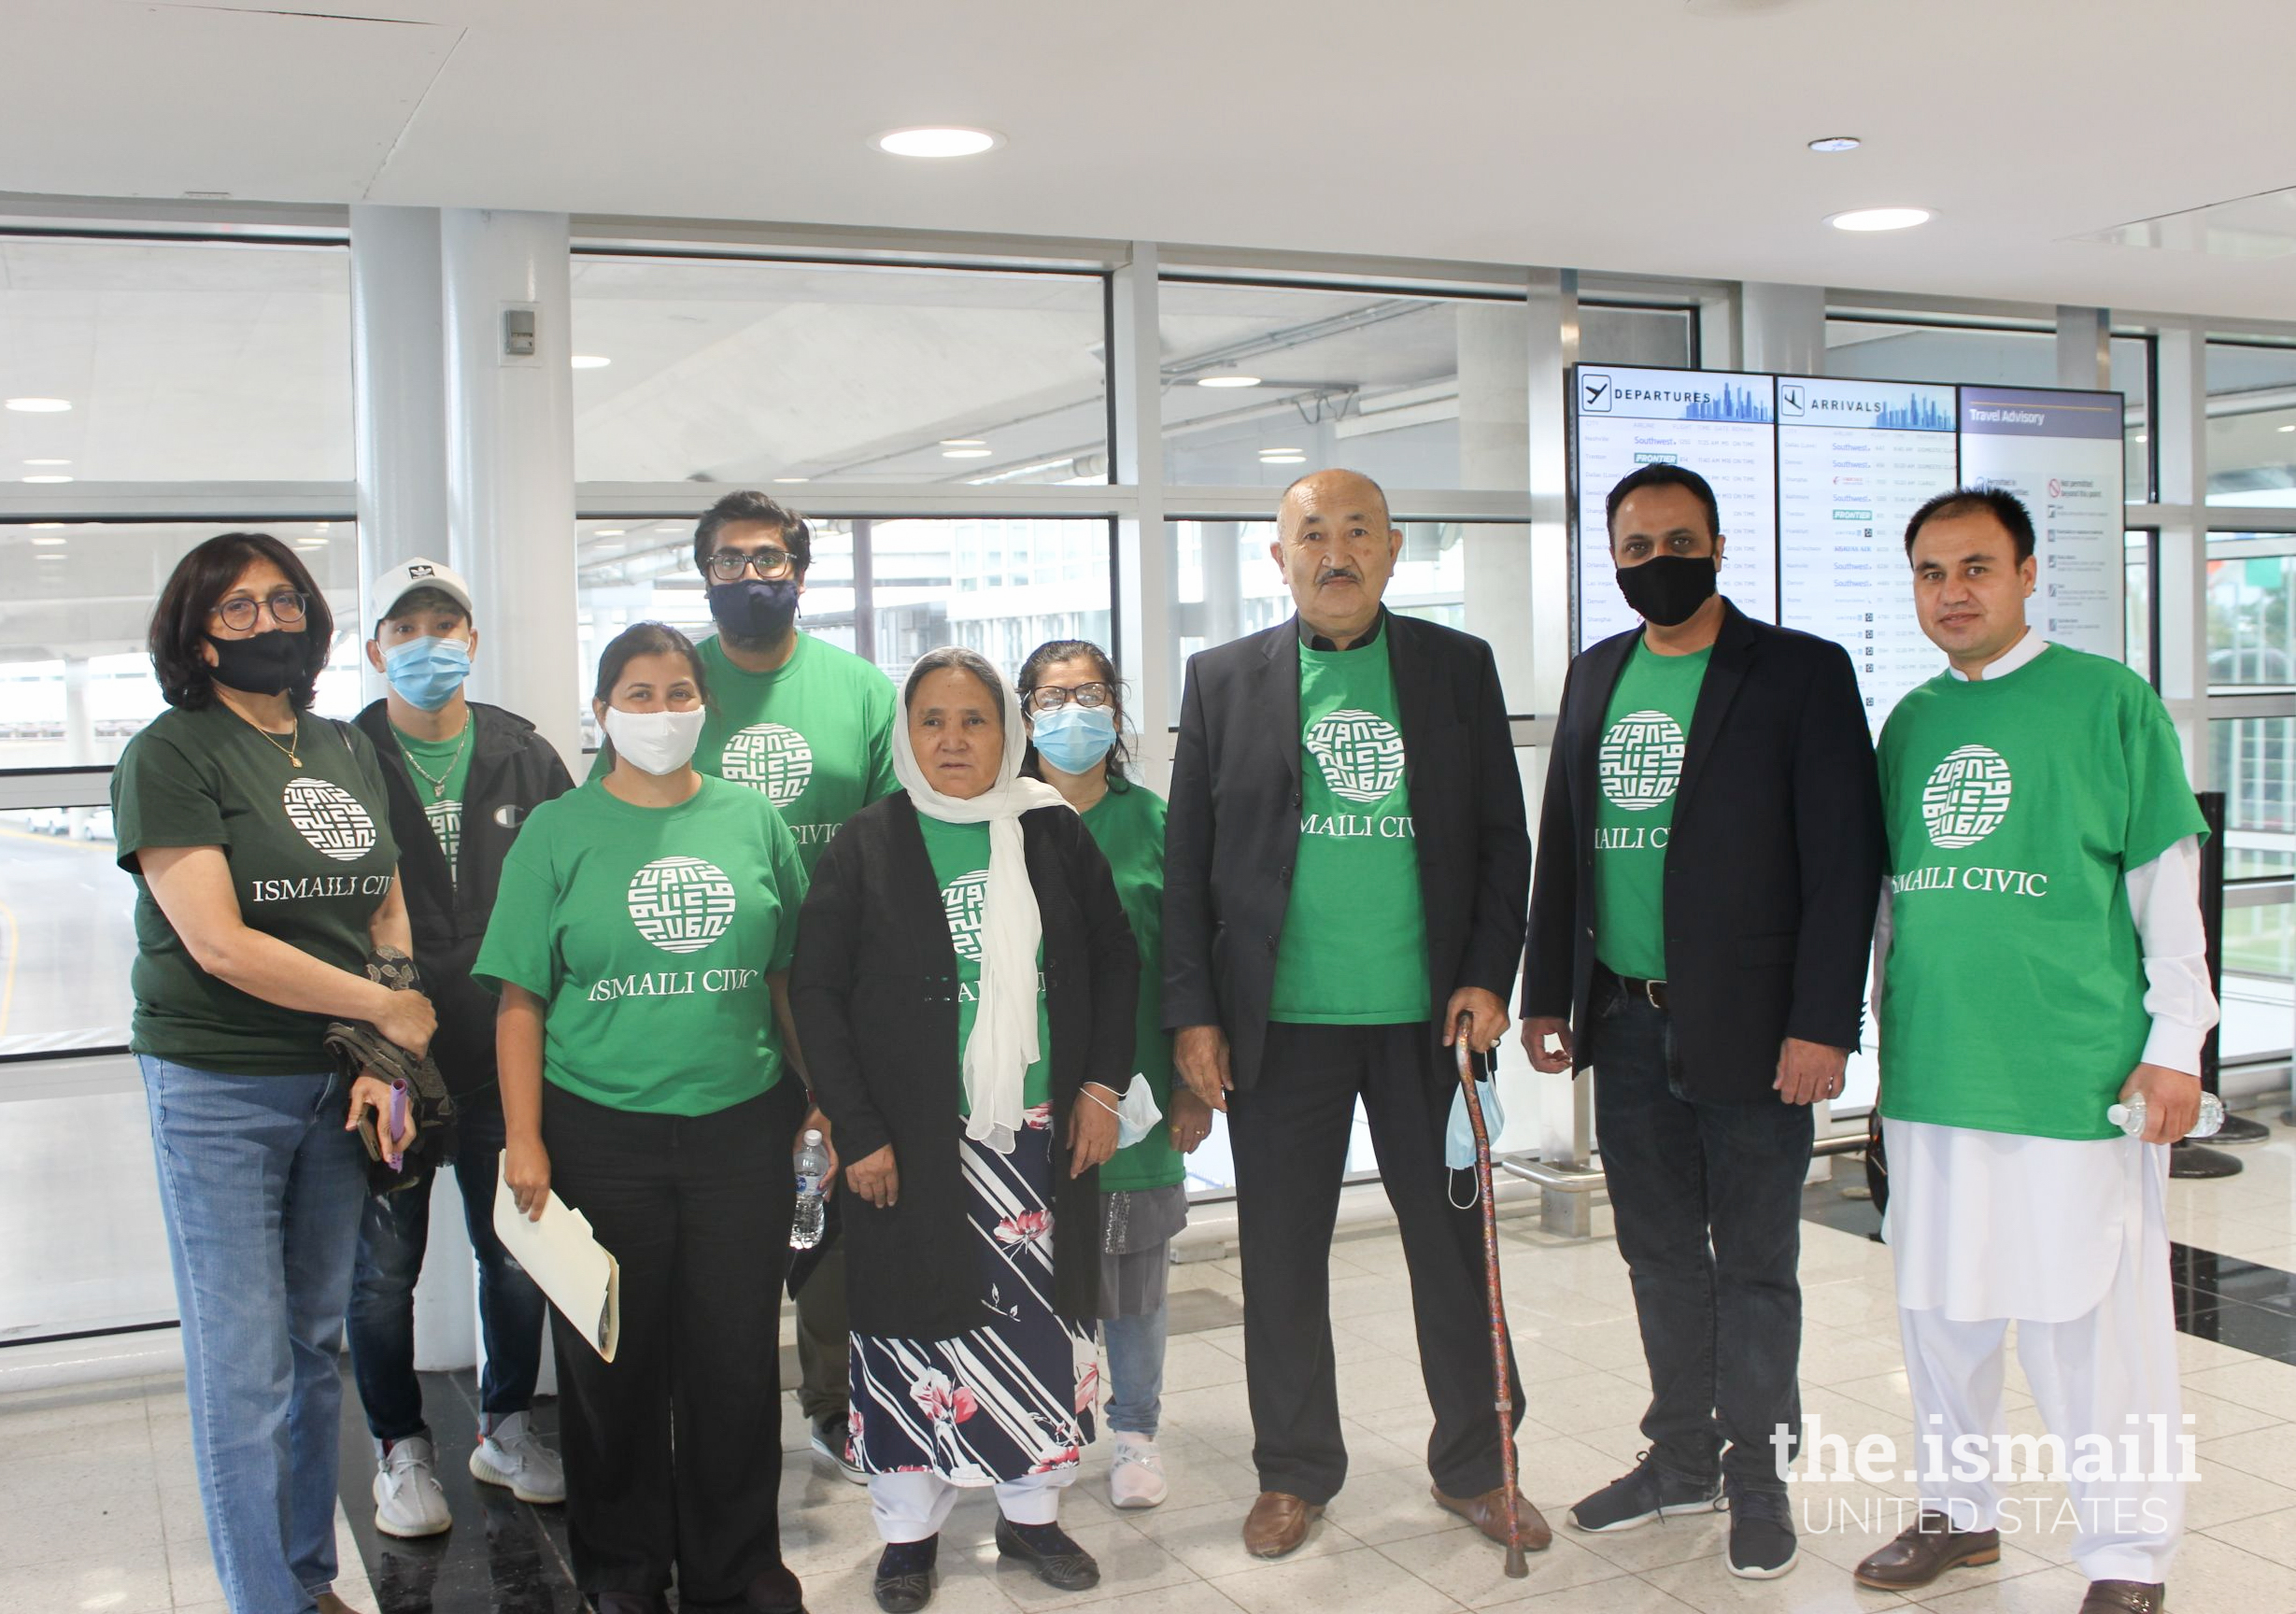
(513, 771)
(873, 991)
(1231, 830)
(1773, 867)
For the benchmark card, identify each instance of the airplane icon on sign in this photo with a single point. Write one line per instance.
(1594, 393)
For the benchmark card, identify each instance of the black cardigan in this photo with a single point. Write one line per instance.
(873, 989)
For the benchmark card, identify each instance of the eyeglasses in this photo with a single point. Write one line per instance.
(769, 562)
(287, 608)
(1052, 697)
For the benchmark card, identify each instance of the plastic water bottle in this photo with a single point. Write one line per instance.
(2130, 1117)
(813, 1164)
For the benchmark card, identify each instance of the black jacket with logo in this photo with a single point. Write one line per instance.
(513, 771)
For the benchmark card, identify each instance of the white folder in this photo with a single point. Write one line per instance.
(566, 1261)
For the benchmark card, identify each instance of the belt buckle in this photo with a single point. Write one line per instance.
(1653, 993)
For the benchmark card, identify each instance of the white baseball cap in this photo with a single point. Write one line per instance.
(400, 581)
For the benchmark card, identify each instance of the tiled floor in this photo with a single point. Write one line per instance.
(98, 1512)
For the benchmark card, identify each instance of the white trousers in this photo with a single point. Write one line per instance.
(2110, 1373)
(913, 1506)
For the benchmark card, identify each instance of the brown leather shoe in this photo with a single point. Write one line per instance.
(1278, 1523)
(1488, 1514)
(2124, 1597)
(1925, 1549)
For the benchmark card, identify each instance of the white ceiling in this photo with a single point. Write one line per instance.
(1658, 137)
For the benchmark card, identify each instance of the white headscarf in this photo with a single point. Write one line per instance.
(1003, 1043)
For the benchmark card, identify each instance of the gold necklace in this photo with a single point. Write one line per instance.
(294, 740)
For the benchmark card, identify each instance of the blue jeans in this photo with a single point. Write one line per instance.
(1136, 1370)
(1707, 1200)
(261, 1186)
(392, 1234)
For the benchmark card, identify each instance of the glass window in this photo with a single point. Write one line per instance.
(888, 589)
(2136, 601)
(2254, 765)
(744, 372)
(1472, 576)
(1633, 334)
(1262, 382)
(68, 927)
(2252, 424)
(76, 605)
(2251, 638)
(175, 361)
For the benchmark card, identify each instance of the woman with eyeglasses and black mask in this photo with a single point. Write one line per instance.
(258, 840)
(1074, 706)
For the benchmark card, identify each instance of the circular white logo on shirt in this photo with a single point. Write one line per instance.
(768, 758)
(1640, 760)
(1360, 752)
(1967, 797)
(681, 904)
(328, 817)
(965, 901)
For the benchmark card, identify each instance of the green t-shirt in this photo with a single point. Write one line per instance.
(814, 736)
(440, 770)
(648, 933)
(1354, 944)
(311, 859)
(1128, 826)
(1641, 761)
(2013, 993)
(959, 854)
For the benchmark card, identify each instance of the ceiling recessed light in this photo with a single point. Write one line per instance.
(2140, 436)
(670, 528)
(590, 361)
(1227, 380)
(792, 478)
(51, 541)
(1869, 219)
(37, 525)
(944, 141)
(312, 538)
(1834, 143)
(48, 462)
(964, 453)
(964, 441)
(51, 555)
(40, 405)
(50, 477)
(609, 532)
(2289, 428)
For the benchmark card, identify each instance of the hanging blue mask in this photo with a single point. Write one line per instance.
(426, 672)
(1072, 738)
(1459, 1136)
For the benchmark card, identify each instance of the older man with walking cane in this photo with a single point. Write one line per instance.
(1345, 875)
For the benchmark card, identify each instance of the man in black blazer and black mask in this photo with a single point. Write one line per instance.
(1345, 869)
(1709, 857)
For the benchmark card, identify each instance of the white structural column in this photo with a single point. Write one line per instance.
(510, 459)
(1782, 328)
(1551, 347)
(1144, 566)
(399, 392)
(2180, 430)
(1495, 402)
(2084, 347)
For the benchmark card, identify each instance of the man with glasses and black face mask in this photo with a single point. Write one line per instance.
(809, 727)
(1708, 853)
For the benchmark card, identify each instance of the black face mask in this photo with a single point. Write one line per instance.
(263, 664)
(1668, 590)
(751, 608)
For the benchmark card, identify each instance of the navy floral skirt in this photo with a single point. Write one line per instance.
(1012, 1397)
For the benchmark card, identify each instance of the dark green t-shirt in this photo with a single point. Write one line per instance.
(440, 770)
(2013, 996)
(959, 854)
(1128, 826)
(648, 933)
(814, 736)
(1354, 944)
(1644, 732)
(311, 859)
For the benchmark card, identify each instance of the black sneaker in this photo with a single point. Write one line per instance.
(1648, 1492)
(905, 1580)
(1761, 1545)
(833, 1438)
(1047, 1549)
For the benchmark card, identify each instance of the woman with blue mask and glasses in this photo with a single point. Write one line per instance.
(1075, 711)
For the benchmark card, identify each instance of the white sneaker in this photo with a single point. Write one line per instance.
(518, 1459)
(1137, 1478)
(515, 1456)
(408, 1499)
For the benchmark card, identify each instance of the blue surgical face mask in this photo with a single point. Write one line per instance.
(426, 672)
(1459, 1135)
(1072, 738)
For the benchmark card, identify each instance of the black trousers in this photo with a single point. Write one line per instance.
(1289, 1135)
(695, 1209)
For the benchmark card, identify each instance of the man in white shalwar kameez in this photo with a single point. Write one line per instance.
(2039, 956)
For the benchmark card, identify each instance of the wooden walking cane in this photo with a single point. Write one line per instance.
(1501, 1380)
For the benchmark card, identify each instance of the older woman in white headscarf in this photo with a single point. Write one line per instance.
(965, 988)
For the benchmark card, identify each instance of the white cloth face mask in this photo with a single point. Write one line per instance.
(1137, 1115)
(658, 742)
